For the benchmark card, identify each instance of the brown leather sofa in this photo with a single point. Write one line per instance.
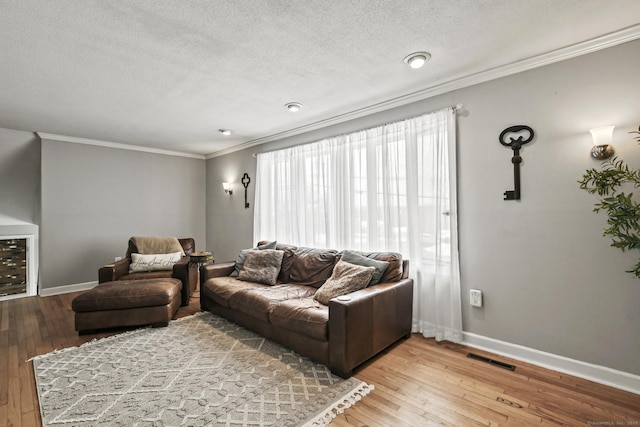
(184, 270)
(341, 335)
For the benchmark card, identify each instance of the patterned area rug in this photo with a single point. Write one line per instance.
(201, 370)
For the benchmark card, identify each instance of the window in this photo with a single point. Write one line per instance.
(389, 188)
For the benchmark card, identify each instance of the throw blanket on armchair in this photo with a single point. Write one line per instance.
(157, 245)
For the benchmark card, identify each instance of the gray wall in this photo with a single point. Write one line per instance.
(20, 189)
(94, 198)
(19, 175)
(550, 280)
(231, 224)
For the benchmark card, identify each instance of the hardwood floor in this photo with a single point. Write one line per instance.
(418, 382)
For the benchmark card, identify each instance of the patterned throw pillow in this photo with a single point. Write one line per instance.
(261, 266)
(244, 252)
(357, 259)
(346, 278)
(153, 262)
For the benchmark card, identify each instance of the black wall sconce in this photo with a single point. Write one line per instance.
(245, 182)
(516, 141)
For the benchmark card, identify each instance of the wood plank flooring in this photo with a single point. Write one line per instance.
(418, 382)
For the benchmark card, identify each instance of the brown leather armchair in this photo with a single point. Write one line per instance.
(184, 270)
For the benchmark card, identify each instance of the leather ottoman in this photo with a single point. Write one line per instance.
(127, 303)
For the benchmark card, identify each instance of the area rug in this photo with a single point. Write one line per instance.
(201, 370)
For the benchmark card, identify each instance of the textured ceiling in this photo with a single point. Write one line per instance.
(167, 74)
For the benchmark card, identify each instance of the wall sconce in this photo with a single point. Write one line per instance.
(227, 188)
(602, 148)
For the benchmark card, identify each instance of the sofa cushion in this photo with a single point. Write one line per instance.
(312, 266)
(257, 301)
(346, 278)
(357, 259)
(244, 252)
(394, 270)
(153, 262)
(287, 261)
(261, 266)
(221, 289)
(304, 316)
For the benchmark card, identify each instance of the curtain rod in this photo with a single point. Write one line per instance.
(455, 108)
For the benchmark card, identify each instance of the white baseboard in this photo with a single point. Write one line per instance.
(599, 374)
(67, 288)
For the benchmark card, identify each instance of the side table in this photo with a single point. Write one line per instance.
(201, 258)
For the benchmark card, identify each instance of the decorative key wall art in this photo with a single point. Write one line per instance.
(518, 136)
(245, 182)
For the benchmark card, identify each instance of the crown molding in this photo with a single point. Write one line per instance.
(108, 144)
(609, 40)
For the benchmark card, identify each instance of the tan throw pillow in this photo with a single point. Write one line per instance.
(153, 262)
(357, 259)
(346, 278)
(244, 252)
(261, 266)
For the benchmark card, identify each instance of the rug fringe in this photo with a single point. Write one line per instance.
(112, 337)
(348, 400)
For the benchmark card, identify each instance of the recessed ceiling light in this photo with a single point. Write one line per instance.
(293, 106)
(225, 132)
(417, 59)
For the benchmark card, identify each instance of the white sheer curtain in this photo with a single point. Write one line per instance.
(389, 188)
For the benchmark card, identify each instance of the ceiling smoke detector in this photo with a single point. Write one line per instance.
(225, 132)
(293, 106)
(417, 59)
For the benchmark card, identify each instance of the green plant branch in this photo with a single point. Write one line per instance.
(614, 173)
(623, 213)
(638, 132)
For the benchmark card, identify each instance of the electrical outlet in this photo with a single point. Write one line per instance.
(118, 258)
(475, 297)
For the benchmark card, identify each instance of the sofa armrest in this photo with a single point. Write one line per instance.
(209, 271)
(113, 272)
(187, 272)
(373, 319)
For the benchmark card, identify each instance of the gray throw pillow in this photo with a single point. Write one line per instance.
(261, 266)
(346, 278)
(243, 254)
(357, 259)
